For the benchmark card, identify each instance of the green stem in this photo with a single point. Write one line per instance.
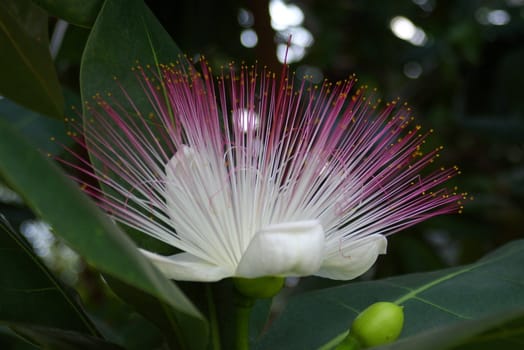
(215, 332)
(243, 306)
(349, 343)
(344, 341)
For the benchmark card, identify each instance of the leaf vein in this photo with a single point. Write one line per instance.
(442, 308)
(447, 277)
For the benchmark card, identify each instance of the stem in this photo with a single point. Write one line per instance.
(243, 306)
(215, 333)
(334, 342)
(344, 341)
(349, 343)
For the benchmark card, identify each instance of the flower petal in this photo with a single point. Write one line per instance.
(289, 249)
(187, 267)
(355, 259)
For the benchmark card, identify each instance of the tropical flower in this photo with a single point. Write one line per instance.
(248, 176)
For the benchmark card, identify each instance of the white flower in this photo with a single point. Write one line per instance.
(249, 178)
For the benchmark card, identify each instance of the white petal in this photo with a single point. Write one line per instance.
(180, 162)
(289, 249)
(187, 267)
(355, 259)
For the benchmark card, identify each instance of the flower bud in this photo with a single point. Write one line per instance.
(381, 323)
(259, 288)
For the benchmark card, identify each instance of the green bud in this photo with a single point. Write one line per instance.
(381, 323)
(259, 288)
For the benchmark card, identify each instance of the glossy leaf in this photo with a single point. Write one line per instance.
(502, 330)
(28, 74)
(118, 322)
(431, 300)
(111, 53)
(30, 293)
(40, 131)
(125, 33)
(80, 12)
(73, 217)
(153, 309)
(502, 335)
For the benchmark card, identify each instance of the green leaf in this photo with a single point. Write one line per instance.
(503, 330)
(80, 12)
(28, 75)
(12, 341)
(502, 335)
(59, 339)
(93, 235)
(117, 321)
(156, 311)
(40, 131)
(125, 32)
(431, 300)
(30, 293)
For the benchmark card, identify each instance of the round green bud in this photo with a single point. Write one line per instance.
(381, 323)
(259, 288)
